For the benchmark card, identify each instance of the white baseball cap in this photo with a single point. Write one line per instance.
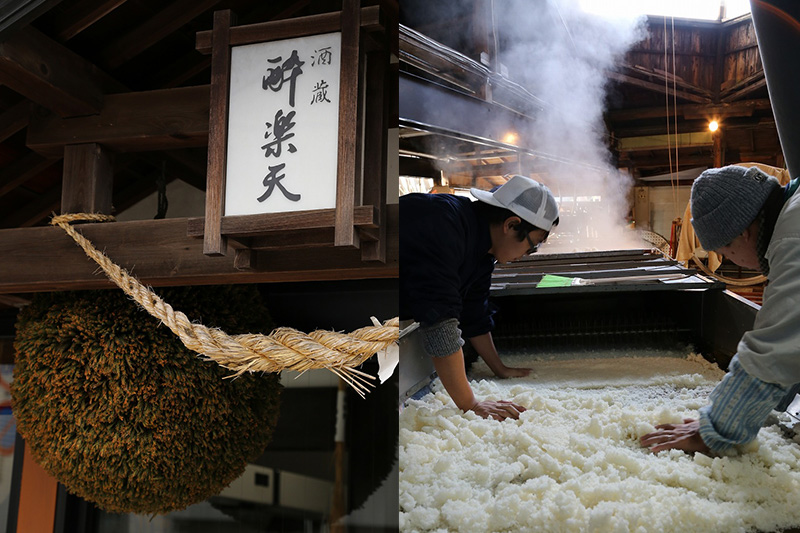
(526, 198)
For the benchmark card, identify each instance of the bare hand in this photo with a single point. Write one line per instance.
(684, 437)
(509, 372)
(497, 410)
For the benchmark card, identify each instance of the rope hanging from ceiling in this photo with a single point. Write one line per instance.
(283, 349)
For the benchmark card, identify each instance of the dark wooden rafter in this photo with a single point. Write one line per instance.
(14, 119)
(174, 16)
(81, 15)
(34, 212)
(690, 111)
(658, 87)
(50, 74)
(15, 14)
(21, 170)
(130, 122)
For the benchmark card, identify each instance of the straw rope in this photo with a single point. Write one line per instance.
(283, 349)
(745, 282)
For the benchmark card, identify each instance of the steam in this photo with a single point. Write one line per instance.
(561, 54)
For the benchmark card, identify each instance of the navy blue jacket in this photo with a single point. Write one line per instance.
(445, 266)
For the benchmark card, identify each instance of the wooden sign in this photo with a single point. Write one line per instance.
(297, 134)
(283, 126)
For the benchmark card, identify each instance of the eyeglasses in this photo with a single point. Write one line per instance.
(533, 247)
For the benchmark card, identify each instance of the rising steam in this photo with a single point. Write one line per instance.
(561, 54)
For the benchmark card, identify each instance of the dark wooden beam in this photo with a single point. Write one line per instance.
(161, 24)
(660, 160)
(657, 87)
(160, 253)
(49, 74)
(419, 167)
(81, 15)
(18, 172)
(14, 119)
(16, 14)
(14, 300)
(190, 65)
(744, 108)
(760, 84)
(282, 29)
(130, 122)
(34, 212)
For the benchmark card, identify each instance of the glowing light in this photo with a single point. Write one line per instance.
(510, 138)
(713, 125)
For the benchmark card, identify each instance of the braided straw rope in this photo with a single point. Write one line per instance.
(746, 282)
(283, 349)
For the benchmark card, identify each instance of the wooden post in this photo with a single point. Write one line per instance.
(349, 162)
(214, 243)
(88, 179)
(376, 139)
(717, 149)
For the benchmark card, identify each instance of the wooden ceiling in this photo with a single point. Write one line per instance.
(70, 69)
(680, 75)
(126, 75)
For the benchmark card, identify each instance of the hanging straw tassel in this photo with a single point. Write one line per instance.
(283, 349)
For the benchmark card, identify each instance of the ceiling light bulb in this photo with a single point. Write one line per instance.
(713, 125)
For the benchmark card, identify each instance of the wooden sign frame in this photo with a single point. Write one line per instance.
(358, 220)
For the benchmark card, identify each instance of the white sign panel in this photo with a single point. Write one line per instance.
(283, 125)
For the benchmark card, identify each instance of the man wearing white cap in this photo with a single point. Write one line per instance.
(747, 216)
(448, 249)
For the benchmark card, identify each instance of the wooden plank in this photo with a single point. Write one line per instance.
(304, 238)
(18, 172)
(760, 84)
(284, 29)
(348, 164)
(161, 254)
(244, 225)
(37, 498)
(130, 122)
(50, 74)
(156, 27)
(88, 179)
(214, 242)
(81, 15)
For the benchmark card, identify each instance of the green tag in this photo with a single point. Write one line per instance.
(550, 280)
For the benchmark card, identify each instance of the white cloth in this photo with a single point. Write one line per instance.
(771, 351)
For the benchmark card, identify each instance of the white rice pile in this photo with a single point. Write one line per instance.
(572, 462)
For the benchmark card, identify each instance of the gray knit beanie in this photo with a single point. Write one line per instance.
(725, 201)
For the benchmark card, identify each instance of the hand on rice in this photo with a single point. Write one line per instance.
(497, 410)
(684, 437)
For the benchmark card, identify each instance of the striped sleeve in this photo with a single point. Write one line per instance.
(739, 406)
